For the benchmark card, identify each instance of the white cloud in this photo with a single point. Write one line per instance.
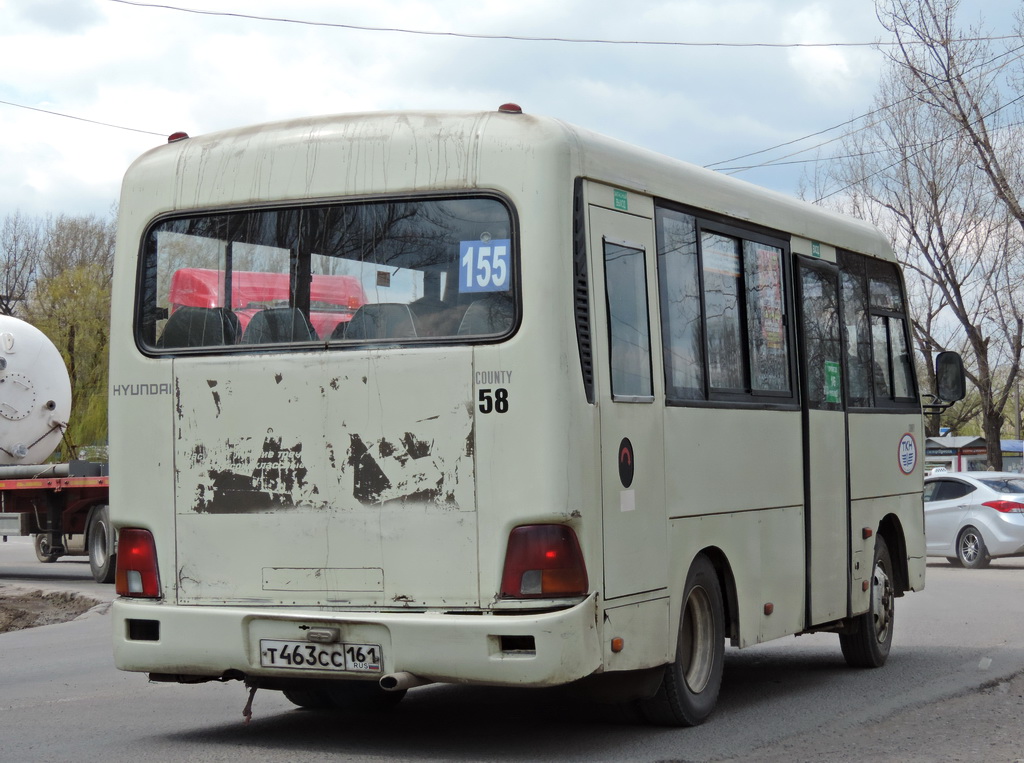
(161, 70)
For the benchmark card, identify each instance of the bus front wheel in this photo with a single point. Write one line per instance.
(868, 643)
(689, 688)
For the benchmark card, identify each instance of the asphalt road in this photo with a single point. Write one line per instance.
(18, 564)
(61, 698)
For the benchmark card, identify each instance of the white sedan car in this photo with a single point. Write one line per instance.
(972, 517)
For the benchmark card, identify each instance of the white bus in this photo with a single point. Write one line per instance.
(576, 413)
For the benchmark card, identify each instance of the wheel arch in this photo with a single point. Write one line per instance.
(727, 581)
(891, 530)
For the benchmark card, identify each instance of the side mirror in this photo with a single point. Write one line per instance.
(950, 378)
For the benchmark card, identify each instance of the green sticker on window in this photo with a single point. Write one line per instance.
(815, 249)
(621, 201)
(833, 387)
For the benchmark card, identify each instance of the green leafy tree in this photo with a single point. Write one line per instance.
(70, 303)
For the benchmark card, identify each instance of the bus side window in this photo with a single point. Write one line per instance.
(861, 372)
(628, 330)
(679, 283)
(876, 335)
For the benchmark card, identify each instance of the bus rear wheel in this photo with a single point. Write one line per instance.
(352, 696)
(311, 699)
(867, 646)
(689, 688)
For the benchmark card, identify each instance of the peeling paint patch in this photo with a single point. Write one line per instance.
(216, 395)
(414, 447)
(251, 481)
(278, 378)
(370, 482)
(407, 471)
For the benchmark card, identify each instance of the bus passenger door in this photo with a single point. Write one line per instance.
(626, 335)
(826, 498)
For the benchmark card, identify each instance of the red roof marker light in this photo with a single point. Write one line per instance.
(174, 137)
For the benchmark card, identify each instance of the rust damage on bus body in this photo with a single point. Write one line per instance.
(278, 469)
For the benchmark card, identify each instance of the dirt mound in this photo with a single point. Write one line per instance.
(27, 609)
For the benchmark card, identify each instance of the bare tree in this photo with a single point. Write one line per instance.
(960, 84)
(20, 245)
(955, 73)
(915, 173)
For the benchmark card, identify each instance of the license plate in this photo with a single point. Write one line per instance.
(304, 655)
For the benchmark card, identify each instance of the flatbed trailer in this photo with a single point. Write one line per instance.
(64, 506)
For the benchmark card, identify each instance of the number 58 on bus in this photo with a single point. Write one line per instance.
(486, 398)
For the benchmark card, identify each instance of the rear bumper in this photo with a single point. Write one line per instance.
(1003, 533)
(453, 648)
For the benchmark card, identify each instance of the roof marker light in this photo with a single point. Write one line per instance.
(174, 137)
(510, 108)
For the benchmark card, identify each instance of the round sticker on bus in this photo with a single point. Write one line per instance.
(626, 462)
(908, 453)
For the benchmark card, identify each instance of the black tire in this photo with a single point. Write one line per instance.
(970, 549)
(99, 541)
(311, 699)
(43, 553)
(362, 696)
(868, 645)
(689, 687)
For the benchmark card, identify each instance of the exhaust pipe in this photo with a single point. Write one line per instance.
(402, 681)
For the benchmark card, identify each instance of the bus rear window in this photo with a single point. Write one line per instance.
(437, 270)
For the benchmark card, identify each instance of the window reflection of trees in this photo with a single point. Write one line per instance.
(680, 304)
(820, 310)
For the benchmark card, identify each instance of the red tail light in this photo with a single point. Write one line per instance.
(543, 561)
(137, 574)
(1005, 507)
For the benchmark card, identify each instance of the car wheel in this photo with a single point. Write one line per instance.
(867, 646)
(43, 552)
(102, 562)
(970, 549)
(689, 688)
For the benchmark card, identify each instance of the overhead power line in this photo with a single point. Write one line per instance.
(526, 38)
(1014, 54)
(923, 147)
(81, 119)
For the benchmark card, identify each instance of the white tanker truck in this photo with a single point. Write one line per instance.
(64, 505)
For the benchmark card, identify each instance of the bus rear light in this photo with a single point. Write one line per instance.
(137, 575)
(543, 561)
(1005, 507)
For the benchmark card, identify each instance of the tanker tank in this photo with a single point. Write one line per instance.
(35, 394)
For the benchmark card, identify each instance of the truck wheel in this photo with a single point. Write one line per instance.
(689, 688)
(43, 552)
(99, 542)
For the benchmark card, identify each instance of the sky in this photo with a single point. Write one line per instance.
(86, 86)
